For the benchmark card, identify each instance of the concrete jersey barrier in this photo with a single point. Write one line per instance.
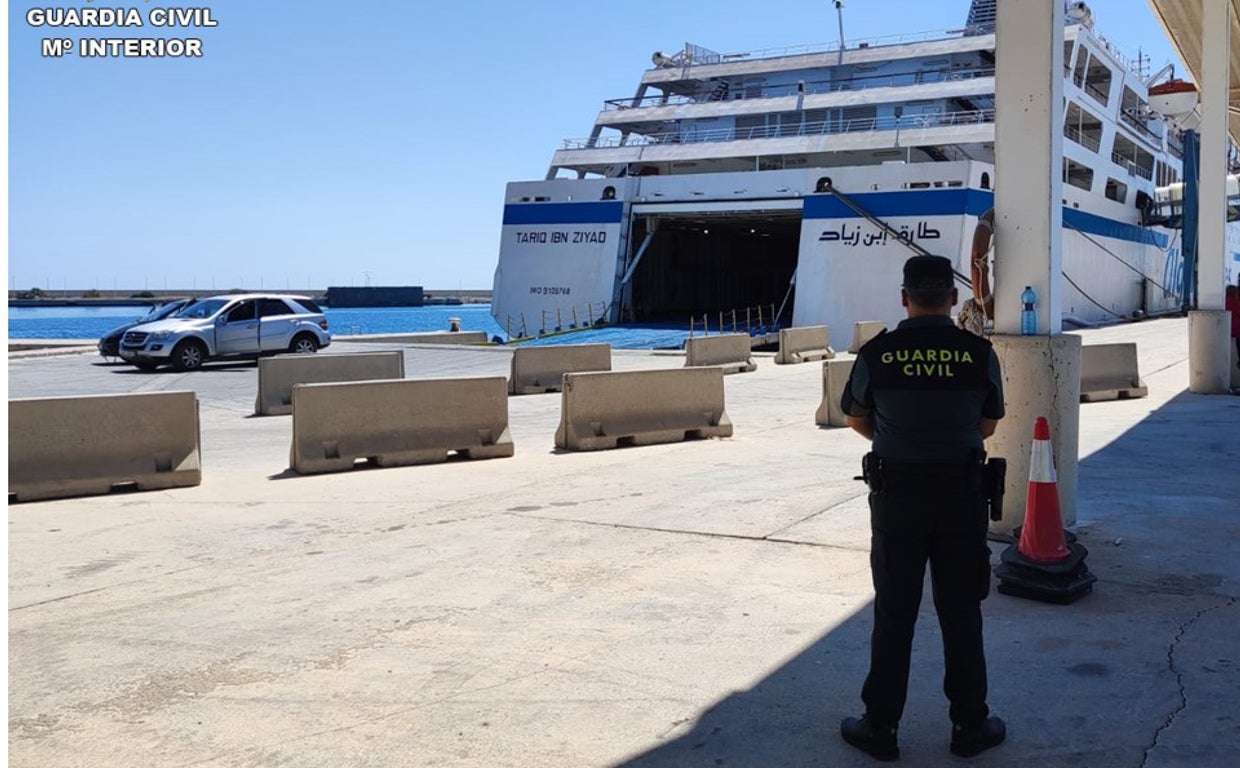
(802, 345)
(608, 410)
(541, 369)
(84, 446)
(1109, 372)
(863, 331)
(398, 422)
(732, 351)
(277, 375)
(835, 375)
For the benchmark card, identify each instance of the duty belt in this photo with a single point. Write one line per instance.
(992, 474)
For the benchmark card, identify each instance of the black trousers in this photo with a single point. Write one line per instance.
(935, 514)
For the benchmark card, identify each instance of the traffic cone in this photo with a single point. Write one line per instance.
(1046, 564)
(1042, 538)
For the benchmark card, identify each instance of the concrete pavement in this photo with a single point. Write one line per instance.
(703, 603)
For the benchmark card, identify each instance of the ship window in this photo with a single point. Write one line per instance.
(860, 118)
(1081, 126)
(750, 126)
(786, 123)
(815, 121)
(1078, 74)
(1132, 111)
(1077, 174)
(1116, 190)
(1162, 174)
(1067, 55)
(1138, 161)
(1098, 80)
(1165, 175)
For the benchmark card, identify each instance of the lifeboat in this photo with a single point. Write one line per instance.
(1174, 98)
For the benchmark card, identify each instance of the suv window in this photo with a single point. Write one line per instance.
(243, 311)
(276, 307)
(204, 308)
(310, 305)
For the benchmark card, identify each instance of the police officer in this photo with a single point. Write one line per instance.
(926, 394)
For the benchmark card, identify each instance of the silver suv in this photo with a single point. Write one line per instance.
(246, 325)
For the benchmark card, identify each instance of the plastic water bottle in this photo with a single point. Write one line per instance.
(1028, 317)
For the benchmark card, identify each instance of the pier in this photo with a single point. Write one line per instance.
(696, 603)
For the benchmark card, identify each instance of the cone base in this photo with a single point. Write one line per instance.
(1036, 583)
(1068, 564)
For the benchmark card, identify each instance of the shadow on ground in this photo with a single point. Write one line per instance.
(1097, 683)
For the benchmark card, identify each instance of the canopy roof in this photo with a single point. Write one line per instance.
(1181, 19)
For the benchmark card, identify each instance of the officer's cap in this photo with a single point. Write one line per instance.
(928, 273)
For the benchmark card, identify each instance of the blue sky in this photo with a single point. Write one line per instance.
(320, 143)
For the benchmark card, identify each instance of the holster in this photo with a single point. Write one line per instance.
(994, 479)
(872, 471)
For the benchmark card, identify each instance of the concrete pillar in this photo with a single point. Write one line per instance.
(1028, 161)
(1041, 377)
(1042, 373)
(1209, 334)
(1209, 351)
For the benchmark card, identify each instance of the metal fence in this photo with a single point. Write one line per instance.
(817, 128)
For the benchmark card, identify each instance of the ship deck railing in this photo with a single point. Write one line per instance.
(1082, 138)
(811, 87)
(1132, 166)
(825, 127)
(557, 320)
(877, 41)
(1142, 130)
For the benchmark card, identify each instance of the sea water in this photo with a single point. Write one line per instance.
(79, 322)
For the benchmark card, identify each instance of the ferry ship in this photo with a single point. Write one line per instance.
(791, 185)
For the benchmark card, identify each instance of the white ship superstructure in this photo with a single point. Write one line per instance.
(800, 181)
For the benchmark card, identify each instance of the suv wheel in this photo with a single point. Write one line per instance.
(189, 355)
(304, 344)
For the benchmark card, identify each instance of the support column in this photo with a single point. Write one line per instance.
(1209, 337)
(1029, 162)
(1041, 377)
(1041, 373)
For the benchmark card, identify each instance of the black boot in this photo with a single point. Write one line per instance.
(968, 741)
(877, 741)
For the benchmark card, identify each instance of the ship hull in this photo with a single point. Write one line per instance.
(788, 249)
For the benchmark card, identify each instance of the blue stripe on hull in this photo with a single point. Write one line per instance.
(973, 202)
(1092, 224)
(950, 202)
(609, 212)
